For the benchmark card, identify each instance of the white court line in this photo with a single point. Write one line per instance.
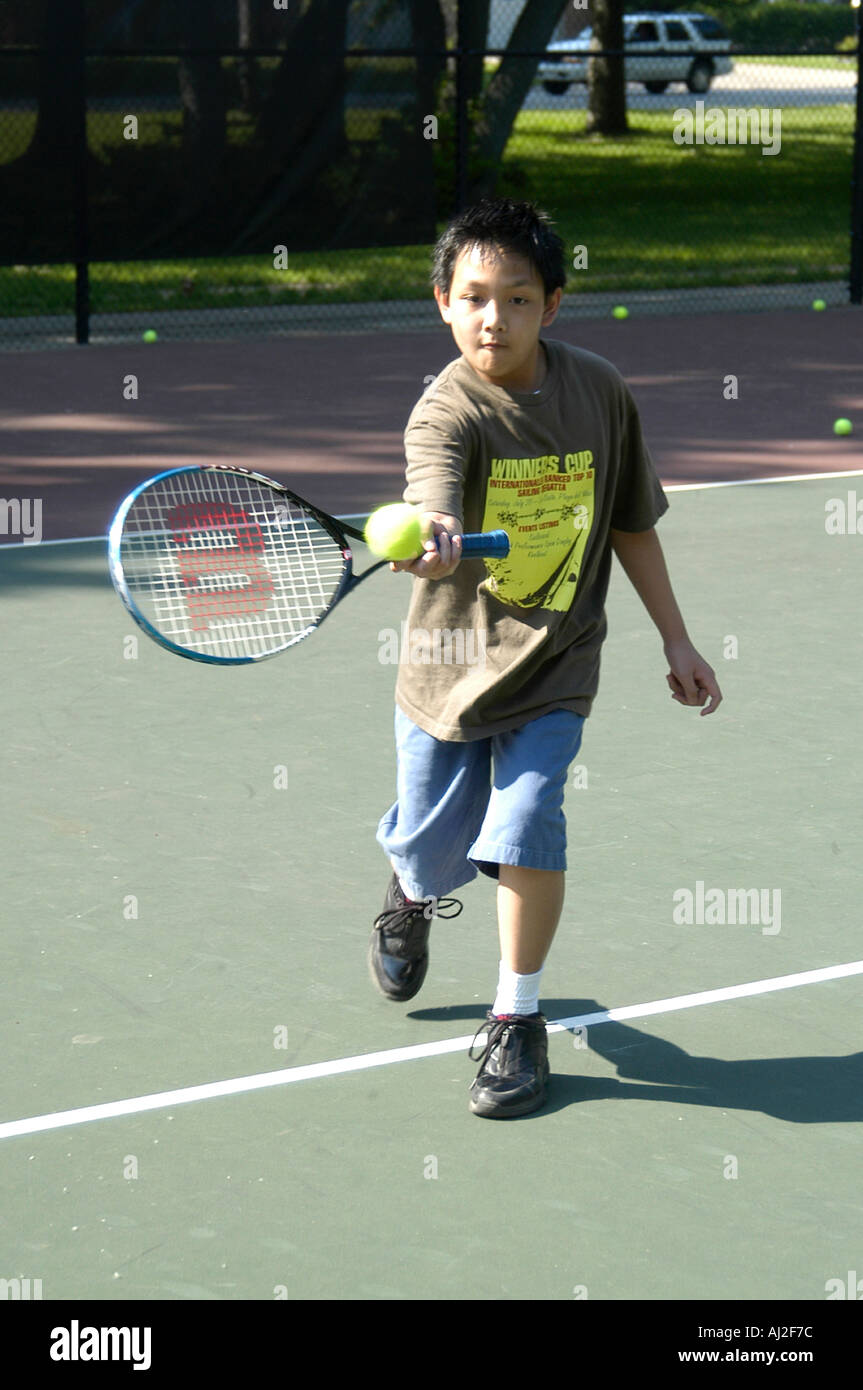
(753, 482)
(163, 1100)
(669, 487)
(68, 540)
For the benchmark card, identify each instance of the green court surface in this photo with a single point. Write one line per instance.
(173, 913)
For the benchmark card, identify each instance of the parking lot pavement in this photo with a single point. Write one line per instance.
(747, 85)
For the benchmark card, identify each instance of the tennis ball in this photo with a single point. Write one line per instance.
(620, 311)
(842, 427)
(818, 304)
(150, 336)
(394, 532)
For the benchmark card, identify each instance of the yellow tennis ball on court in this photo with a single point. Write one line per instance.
(620, 311)
(394, 532)
(818, 304)
(150, 336)
(842, 427)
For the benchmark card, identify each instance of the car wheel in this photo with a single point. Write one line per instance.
(700, 76)
(556, 89)
(655, 86)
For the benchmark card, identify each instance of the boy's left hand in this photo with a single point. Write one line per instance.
(690, 678)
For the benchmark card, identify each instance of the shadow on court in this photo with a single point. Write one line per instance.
(66, 568)
(27, 574)
(799, 1090)
(325, 413)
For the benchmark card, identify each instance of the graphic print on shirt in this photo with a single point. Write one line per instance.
(546, 505)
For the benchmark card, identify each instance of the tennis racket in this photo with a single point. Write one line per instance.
(223, 565)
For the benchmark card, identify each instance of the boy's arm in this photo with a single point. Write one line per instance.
(691, 679)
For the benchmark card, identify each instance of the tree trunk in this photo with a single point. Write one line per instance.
(247, 68)
(57, 124)
(505, 94)
(428, 35)
(606, 85)
(202, 93)
(474, 34)
(306, 101)
(302, 123)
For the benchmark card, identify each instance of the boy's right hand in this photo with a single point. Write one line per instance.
(440, 556)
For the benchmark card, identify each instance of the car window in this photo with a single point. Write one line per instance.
(675, 31)
(644, 32)
(710, 29)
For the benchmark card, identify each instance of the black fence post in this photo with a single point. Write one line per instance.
(857, 178)
(461, 122)
(82, 239)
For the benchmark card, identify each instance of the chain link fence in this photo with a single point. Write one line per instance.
(213, 169)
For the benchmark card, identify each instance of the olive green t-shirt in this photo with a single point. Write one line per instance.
(501, 642)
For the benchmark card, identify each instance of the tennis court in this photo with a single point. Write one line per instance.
(205, 1098)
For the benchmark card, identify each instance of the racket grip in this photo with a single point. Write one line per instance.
(494, 544)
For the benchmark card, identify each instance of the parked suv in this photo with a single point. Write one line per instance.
(664, 48)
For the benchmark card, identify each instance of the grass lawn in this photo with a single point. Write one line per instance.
(652, 214)
(805, 60)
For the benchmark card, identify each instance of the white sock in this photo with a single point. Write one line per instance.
(517, 994)
(407, 894)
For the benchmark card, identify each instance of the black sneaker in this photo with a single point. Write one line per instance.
(398, 950)
(513, 1074)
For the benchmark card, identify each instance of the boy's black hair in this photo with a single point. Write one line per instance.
(500, 222)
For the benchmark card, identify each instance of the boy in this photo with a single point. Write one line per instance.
(543, 440)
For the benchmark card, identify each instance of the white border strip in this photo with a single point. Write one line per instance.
(669, 487)
(162, 1100)
(68, 540)
(753, 482)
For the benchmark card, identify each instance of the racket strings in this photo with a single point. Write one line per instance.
(224, 565)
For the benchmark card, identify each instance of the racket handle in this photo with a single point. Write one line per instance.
(494, 544)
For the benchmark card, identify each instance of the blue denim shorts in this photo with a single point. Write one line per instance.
(469, 807)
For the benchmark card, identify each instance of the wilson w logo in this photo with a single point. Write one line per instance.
(218, 549)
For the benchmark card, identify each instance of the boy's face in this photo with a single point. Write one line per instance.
(495, 307)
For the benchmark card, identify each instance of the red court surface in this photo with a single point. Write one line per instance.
(325, 413)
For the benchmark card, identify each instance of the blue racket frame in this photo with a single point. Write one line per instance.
(490, 544)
